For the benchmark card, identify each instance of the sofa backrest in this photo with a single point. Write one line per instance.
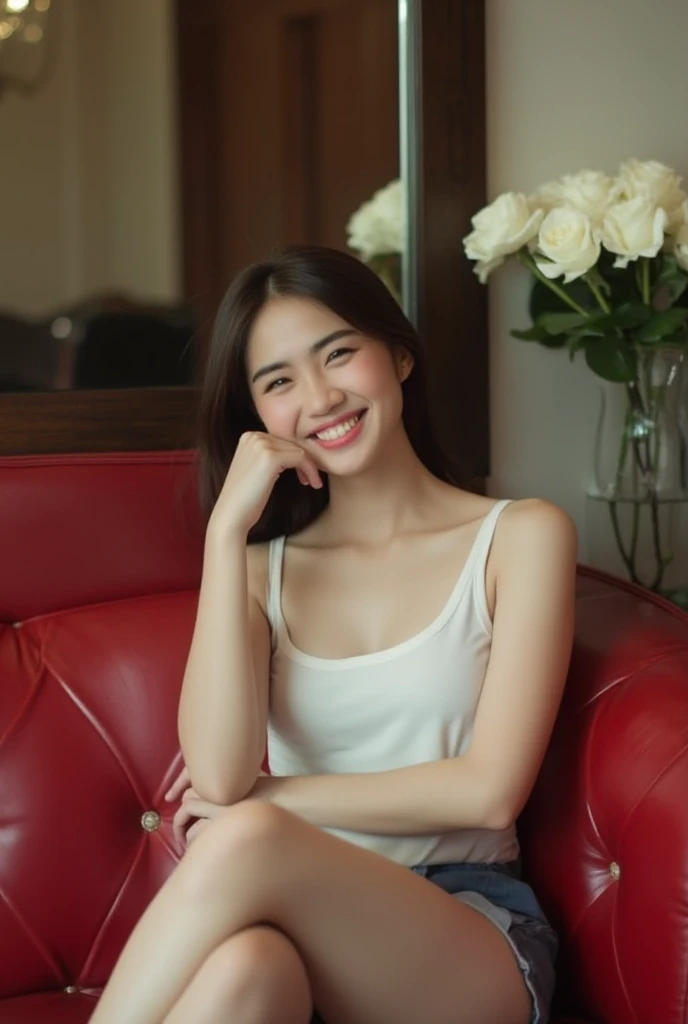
(100, 560)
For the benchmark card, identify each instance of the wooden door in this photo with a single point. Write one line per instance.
(289, 120)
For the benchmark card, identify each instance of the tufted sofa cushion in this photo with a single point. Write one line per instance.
(101, 560)
(89, 744)
(605, 833)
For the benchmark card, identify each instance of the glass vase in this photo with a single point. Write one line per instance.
(641, 462)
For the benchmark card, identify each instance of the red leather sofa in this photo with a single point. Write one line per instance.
(99, 568)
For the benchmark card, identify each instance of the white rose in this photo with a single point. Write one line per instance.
(500, 229)
(653, 181)
(484, 268)
(681, 239)
(377, 227)
(634, 228)
(590, 192)
(567, 237)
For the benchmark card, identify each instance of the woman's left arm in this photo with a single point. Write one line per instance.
(534, 562)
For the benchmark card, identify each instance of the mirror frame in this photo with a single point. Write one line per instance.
(443, 117)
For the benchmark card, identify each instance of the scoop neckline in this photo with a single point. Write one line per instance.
(387, 653)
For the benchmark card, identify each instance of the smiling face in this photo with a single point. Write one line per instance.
(317, 381)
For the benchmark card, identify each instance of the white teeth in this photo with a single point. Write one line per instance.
(339, 431)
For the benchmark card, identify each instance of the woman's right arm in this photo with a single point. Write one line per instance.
(224, 698)
(223, 706)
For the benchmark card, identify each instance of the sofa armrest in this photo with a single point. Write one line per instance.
(606, 831)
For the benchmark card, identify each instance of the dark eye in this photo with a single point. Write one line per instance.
(338, 352)
(275, 384)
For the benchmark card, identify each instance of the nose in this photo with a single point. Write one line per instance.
(320, 396)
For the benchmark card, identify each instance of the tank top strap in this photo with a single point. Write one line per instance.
(275, 559)
(484, 538)
(477, 562)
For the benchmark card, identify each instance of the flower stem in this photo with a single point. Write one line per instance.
(628, 561)
(645, 457)
(645, 280)
(532, 266)
(597, 292)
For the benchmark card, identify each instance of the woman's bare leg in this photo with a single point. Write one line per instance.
(380, 944)
(256, 977)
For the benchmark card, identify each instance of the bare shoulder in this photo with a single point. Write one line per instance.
(533, 527)
(538, 514)
(257, 569)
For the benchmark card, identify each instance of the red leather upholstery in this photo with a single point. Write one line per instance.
(605, 834)
(99, 567)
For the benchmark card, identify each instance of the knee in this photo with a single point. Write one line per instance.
(258, 971)
(252, 831)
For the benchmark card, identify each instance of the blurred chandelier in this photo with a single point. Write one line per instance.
(23, 43)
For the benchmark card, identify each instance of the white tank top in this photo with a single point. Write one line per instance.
(408, 704)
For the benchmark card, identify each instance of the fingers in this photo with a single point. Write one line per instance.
(197, 808)
(196, 830)
(192, 807)
(291, 456)
(184, 813)
(309, 476)
(309, 469)
(306, 470)
(180, 822)
(178, 786)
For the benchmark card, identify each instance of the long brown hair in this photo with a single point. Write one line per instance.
(353, 292)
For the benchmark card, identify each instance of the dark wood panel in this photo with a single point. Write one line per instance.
(289, 145)
(452, 305)
(138, 419)
(299, 88)
(198, 53)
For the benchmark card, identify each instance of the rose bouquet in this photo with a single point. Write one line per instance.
(609, 262)
(376, 233)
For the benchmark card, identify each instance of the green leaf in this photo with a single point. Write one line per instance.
(679, 338)
(670, 283)
(630, 315)
(662, 325)
(574, 343)
(554, 340)
(612, 358)
(625, 317)
(531, 334)
(559, 323)
(536, 333)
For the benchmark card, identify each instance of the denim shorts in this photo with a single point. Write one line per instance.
(497, 892)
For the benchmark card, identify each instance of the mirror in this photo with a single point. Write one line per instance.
(124, 197)
(115, 252)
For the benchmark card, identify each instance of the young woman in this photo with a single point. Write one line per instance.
(404, 645)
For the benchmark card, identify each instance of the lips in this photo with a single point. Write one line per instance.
(343, 434)
(336, 423)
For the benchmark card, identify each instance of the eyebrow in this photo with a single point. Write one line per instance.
(316, 347)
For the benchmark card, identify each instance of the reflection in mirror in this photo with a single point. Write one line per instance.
(173, 142)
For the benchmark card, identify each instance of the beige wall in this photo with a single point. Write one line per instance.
(570, 85)
(88, 165)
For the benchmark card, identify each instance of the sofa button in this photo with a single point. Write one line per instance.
(150, 821)
(72, 989)
(615, 871)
